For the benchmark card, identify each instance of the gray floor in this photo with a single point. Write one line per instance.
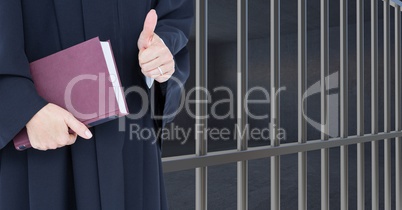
(222, 183)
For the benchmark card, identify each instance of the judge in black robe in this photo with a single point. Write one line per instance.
(110, 171)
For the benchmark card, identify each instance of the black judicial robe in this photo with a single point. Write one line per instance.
(110, 171)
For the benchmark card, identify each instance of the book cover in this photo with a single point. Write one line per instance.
(84, 80)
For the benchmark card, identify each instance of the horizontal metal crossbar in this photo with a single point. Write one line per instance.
(396, 2)
(186, 162)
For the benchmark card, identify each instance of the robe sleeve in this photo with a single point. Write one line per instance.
(19, 101)
(174, 25)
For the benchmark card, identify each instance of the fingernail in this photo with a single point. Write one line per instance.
(88, 134)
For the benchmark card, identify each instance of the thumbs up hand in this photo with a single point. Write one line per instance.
(155, 59)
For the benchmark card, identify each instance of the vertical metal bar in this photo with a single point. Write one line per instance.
(344, 68)
(374, 105)
(242, 86)
(324, 68)
(387, 105)
(302, 104)
(201, 108)
(275, 73)
(360, 104)
(344, 101)
(324, 103)
(360, 67)
(398, 125)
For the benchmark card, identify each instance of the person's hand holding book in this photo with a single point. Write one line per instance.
(49, 128)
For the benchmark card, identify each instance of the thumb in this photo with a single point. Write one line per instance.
(148, 31)
(78, 127)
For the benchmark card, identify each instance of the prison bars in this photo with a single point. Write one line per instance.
(242, 87)
(344, 70)
(360, 103)
(201, 108)
(398, 127)
(374, 105)
(387, 105)
(324, 20)
(302, 103)
(201, 160)
(275, 100)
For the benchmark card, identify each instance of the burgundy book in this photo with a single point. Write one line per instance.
(84, 80)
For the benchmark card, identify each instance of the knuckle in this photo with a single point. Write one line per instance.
(35, 146)
(52, 146)
(72, 141)
(67, 140)
(148, 74)
(62, 141)
(38, 146)
(69, 117)
(144, 67)
(43, 148)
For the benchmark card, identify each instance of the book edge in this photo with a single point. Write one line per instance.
(111, 65)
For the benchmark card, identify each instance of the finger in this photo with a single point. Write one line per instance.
(41, 149)
(78, 127)
(72, 138)
(168, 68)
(37, 147)
(148, 30)
(153, 52)
(164, 69)
(166, 62)
(152, 74)
(154, 56)
(150, 23)
(163, 78)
